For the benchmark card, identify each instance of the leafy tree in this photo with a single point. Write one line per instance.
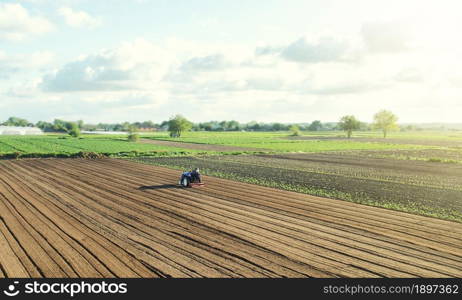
(125, 126)
(59, 125)
(207, 126)
(15, 121)
(253, 125)
(385, 120)
(348, 124)
(118, 127)
(329, 126)
(90, 127)
(266, 127)
(295, 130)
(73, 129)
(164, 125)
(315, 126)
(279, 127)
(45, 126)
(178, 124)
(80, 124)
(223, 126)
(147, 124)
(233, 125)
(133, 135)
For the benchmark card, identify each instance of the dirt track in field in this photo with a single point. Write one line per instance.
(114, 218)
(194, 146)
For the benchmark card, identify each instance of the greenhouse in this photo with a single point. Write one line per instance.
(12, 130)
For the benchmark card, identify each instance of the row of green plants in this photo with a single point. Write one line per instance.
(279, 142)
(266, 142)
(58, 144)
(62, 146)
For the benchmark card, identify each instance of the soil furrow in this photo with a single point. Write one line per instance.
(439, 227)
(456, 270)
(116, 218)
(67, 228)
(129, 213)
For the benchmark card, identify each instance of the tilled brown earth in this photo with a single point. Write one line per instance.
(416, 186)
(114, 218)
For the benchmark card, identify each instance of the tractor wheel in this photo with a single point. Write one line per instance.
(185, 182)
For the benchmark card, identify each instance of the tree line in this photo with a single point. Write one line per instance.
(383, 120)
(72, 128)
(56, 125)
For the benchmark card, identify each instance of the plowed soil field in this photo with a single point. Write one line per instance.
(116, 218)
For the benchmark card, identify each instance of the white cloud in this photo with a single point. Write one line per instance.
(205, 63)
(104, 106)
(325, 50)
(300, 81)
(94, 73)
(78, 19)
(26, 89)
(411, 75)
(16, 23)
(381, 37)
(215, 76)
(321, 50)
(12, 63)
(132, 66)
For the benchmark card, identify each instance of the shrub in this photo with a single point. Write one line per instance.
(434, 159)
(133, 137)
(74, 132)
(295, 130)
(133, 134)
(88, 155)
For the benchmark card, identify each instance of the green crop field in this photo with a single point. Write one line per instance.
(282, 142)
(211, 137)
(62, 146)
(242, 142)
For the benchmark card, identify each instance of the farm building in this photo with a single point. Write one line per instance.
(13, 130)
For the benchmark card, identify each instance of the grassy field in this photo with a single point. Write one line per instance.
(236, 137)
(425, 146)
(281, 141)
(63, 146)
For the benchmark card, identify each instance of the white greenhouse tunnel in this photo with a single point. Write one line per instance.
(12, 130)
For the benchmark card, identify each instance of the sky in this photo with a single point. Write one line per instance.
(269, 61)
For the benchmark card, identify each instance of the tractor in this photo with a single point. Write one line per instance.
(191, 179)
